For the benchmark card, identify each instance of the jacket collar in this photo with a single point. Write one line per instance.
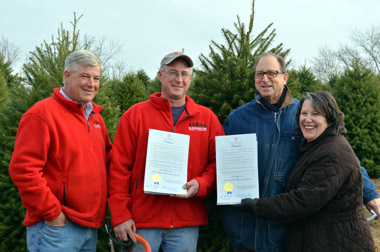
(162, 103)
(305, 146)
(287, 101)
(73, 105)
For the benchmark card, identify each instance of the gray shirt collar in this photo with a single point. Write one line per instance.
(87, 107)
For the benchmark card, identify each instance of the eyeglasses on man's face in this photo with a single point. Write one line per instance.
(175, 74)
(271, 74)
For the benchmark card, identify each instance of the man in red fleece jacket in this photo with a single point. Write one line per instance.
(171, 222)
(60, 161)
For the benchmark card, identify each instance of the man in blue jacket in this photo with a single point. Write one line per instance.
(272, 116)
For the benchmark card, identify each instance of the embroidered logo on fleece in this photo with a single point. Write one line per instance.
(195, 126)
(97, 125)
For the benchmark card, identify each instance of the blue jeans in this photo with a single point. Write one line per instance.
(70, 237)
(182, 239)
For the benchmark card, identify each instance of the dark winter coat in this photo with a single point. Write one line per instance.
(324, 203)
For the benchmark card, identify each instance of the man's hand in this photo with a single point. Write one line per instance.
(125, 229)
(375, 206)
(192, 188)
(61, 220)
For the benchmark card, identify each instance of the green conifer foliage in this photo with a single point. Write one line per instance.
(3, 90)
(155, 86)
(129, 91)
(304, 80)
(44, 70)
(357, 92)
(118, 95)
(110, 112)
(225, 80)
(7, 71)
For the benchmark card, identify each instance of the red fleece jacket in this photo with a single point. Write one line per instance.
(126, 176)
(60, 162)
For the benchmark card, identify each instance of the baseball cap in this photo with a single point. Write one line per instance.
(174, 56)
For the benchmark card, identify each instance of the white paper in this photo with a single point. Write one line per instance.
(166, 162)
(236, 168)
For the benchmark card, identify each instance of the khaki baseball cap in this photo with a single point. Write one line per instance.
(174, 56)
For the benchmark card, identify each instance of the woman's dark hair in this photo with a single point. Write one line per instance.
(324, 103)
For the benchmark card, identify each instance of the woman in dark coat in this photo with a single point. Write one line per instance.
(323, 204)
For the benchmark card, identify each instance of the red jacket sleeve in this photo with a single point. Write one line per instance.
(26, 167)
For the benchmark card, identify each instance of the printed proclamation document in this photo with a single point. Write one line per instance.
(166, 162)
(236, 168)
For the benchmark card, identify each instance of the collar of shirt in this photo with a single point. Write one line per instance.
(87, 107)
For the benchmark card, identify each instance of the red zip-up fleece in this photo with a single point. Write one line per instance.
(126, 175)
(60, 162)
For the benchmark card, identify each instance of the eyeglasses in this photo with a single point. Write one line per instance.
(271, 74)
(175, 74)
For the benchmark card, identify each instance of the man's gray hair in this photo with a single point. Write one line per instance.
(280, 60)
(83, 58)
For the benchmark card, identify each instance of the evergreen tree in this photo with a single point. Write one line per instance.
(143, 76)
(129, 91)
(6, 69)
(154, 86)
(304, 80)
(7, 79)
(8, 57)
(110, 112)
(119, 95)
(44, 70)
(126, 92)
(357, 91)
(3, 90)
(225, 80)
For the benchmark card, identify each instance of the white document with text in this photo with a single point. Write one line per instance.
(236, 168)
(166, 162)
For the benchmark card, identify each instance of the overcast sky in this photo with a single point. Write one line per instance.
(149, 29)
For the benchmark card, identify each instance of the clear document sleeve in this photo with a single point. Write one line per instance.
(166, 162)
(236, 168)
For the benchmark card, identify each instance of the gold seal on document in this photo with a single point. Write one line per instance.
(228, 187)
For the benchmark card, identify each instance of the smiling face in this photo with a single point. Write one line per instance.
(270, 88)
(83, 84)
(174, 88)
(312, 123)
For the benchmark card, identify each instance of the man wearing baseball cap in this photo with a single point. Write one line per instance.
(170, 222)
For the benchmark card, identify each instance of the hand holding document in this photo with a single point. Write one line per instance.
(236, 168)
(166, 162)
